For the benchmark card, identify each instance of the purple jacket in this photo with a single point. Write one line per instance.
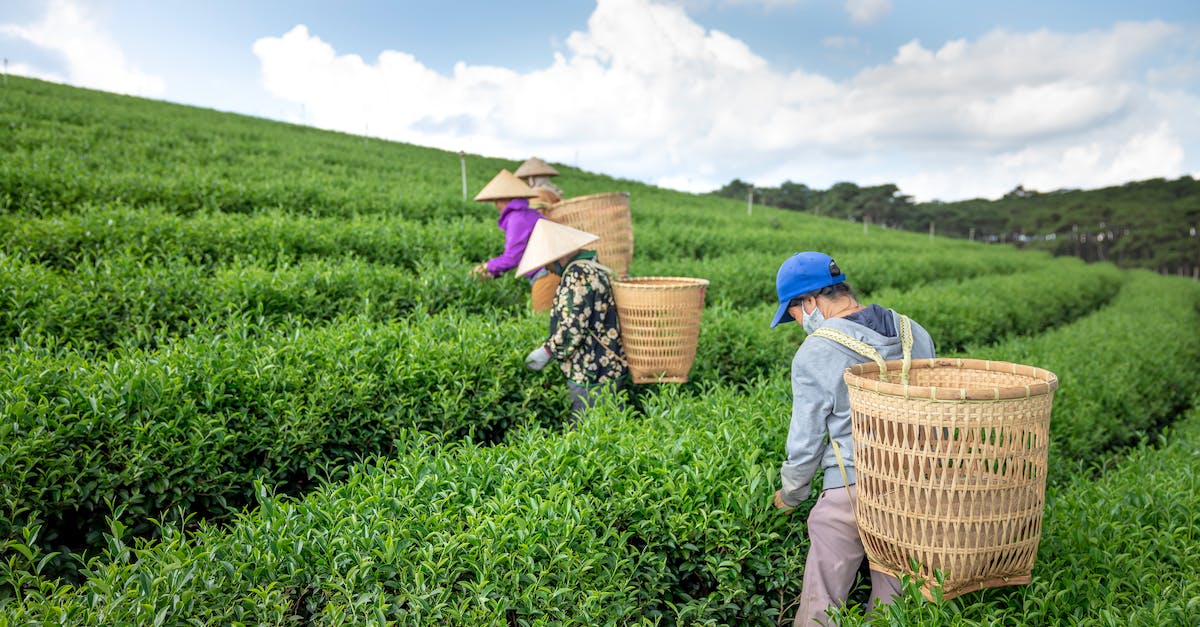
(516, 220)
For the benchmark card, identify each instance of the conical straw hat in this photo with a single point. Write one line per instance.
(534, 166)
(503, 186)
(549, 241)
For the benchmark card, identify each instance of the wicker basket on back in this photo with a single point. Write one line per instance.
(660, 325)
(951, 468)
(605, 215)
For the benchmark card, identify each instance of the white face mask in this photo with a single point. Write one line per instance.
(812, 321)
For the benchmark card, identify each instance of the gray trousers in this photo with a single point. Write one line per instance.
(834, 555)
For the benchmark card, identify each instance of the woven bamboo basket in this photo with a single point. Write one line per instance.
(605, 215)
(541, 292)
(951, 469)
(660, 325)
(544, 200)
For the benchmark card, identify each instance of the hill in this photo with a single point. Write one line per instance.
(1149, 224)
(246, 378)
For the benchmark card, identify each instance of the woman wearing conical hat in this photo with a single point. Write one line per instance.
(536, 173)
(511, 196)
(585, 335)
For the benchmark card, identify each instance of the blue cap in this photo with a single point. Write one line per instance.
(800, 274)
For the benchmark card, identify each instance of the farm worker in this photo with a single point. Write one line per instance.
(511, 196)
(585, 336)
(536, 173)
(813, 291)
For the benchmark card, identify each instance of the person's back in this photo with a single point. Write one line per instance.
(584, 330)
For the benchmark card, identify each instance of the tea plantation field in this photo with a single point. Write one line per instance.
(246, 378)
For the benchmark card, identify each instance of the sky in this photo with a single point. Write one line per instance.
(945, 99)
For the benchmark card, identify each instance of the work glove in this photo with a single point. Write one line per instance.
(537, 358)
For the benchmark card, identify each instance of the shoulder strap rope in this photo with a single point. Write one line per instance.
(837, 450)
(868, 351)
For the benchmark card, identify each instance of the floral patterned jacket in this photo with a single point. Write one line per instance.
(585, 336)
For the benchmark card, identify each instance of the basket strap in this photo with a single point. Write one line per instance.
(837, 450)
(611, 352)
(858, 346)
(868, 351)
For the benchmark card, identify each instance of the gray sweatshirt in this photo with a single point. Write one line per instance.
(821, 403)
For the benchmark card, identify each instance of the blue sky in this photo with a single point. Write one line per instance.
(946, 99)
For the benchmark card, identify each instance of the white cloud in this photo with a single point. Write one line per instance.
(92, 58)
(646, 93)
(868, 11)
(1097, 162)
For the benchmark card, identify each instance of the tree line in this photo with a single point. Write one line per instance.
(1152, 224)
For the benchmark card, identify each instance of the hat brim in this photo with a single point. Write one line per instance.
(782, 315)
(505, 186)
(550, 241)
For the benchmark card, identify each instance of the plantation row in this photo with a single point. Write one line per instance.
(635, 518)
(747, 279)
(152, 234)
(187, 429)
(120, 299)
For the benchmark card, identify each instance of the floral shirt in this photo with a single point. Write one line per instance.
(585, 336)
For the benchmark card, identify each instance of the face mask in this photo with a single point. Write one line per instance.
(812, 321)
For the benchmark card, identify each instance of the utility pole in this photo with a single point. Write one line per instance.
(931, 230)
(462, 160)
(750, 201)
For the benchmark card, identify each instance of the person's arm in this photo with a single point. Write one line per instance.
(516, 238)
(571, 311)
(812, 402)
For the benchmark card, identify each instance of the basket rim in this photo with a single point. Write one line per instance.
(642, 282)
(573, 199)
(1048, 381)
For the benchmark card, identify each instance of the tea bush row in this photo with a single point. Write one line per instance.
(1123, 371)
(613, 522)
(187, 429)
(153, 234)
(738, 345)
(982, 311)
(118, 300)
(746, 279)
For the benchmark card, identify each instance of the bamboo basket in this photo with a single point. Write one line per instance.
(951, 469)
(544, 200)
(542, 291)
(660, 325)
(605, 215)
